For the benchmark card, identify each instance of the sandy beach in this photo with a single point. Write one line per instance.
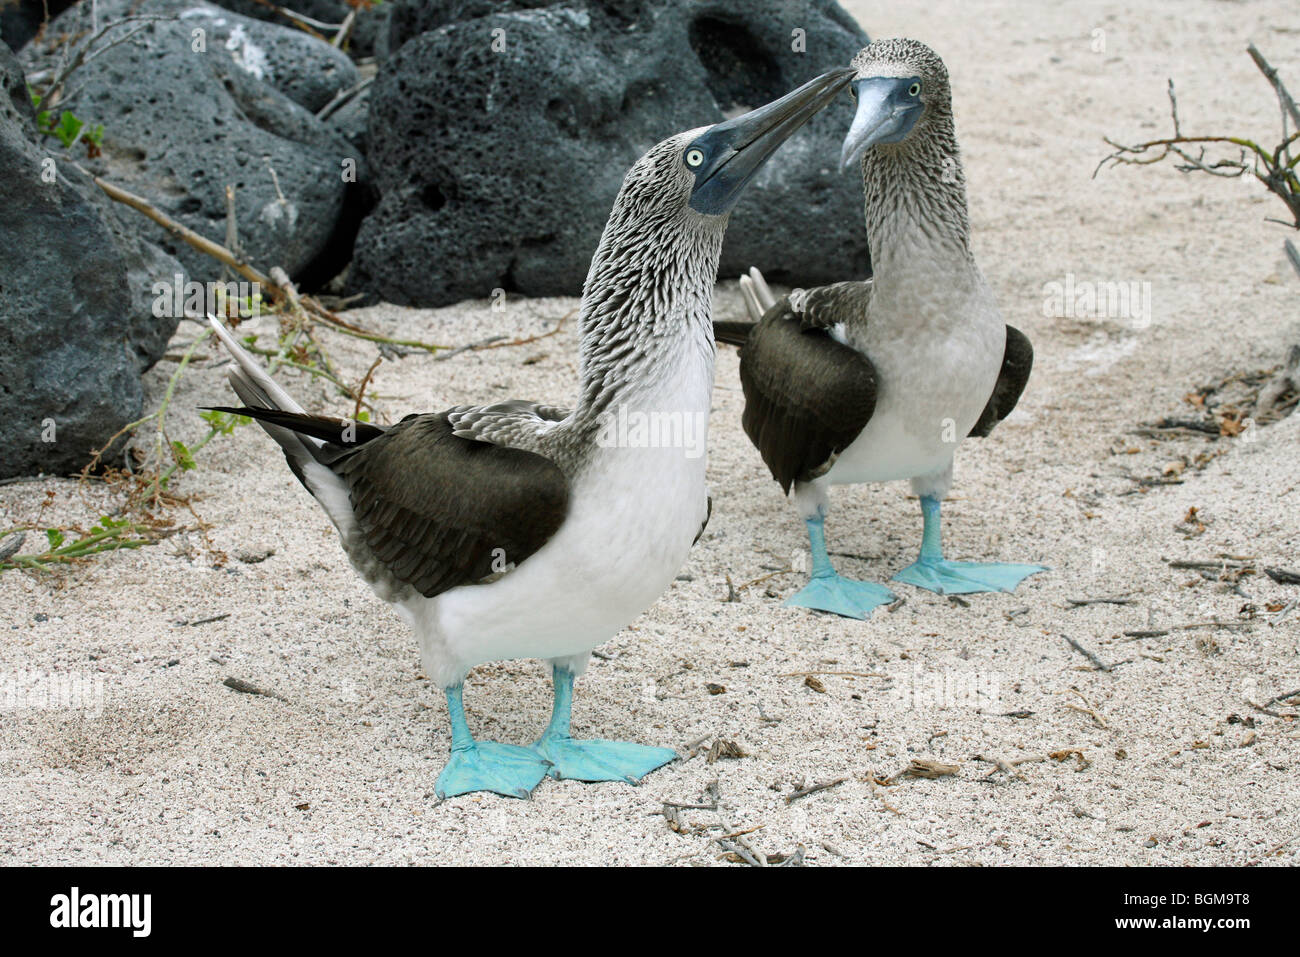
(1171, 754)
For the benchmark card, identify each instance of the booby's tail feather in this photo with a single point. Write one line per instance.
(248, 372)
(761, 291)
(301, 436)
(758, 299)
(752, 305)
(731, 332)
(341, 432)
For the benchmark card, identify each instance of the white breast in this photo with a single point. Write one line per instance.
(937, 348)
(634, 512)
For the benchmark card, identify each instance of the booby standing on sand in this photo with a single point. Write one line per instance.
(881, 380)
(513, 530)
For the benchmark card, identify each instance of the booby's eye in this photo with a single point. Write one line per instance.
(694, 158)
(914, 89)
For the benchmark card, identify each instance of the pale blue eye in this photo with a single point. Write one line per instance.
(694, 158)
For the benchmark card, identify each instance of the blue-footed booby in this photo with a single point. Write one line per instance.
(519, 529)
(881, 380)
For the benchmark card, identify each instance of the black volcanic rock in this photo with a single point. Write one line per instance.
(497, 167)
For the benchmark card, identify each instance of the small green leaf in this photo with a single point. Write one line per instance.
(36, 97)
(55, 538)
(183, 457)
(363, 415)
(69, 129)
(223, 422)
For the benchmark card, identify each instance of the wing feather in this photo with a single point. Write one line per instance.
(807, 396)
(1017, 362)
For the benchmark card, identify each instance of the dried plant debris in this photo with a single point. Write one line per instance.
(725, 749)
(926, 768)
(812, 789)
(244, 687)
(1067, 753)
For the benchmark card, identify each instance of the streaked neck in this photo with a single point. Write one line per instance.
(915, 201)
(647, 312)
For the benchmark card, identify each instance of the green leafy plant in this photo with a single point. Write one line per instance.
(109, 535)
(68, 128)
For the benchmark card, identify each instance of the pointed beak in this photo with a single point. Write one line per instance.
(886, 114)
(736, 149)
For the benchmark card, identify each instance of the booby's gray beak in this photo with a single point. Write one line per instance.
(728, 155)
(888, 107)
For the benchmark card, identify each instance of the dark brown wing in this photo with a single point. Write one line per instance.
(1017, 361)
(437, 510)
(440, 511)
(806, 396)
(708, 514)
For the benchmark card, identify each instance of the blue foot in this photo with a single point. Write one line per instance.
(596, 760)
(842, 596)
(490, 766)
(827, 591)
(965, 578)
(935, 573)
(592, 760)
(485, 765)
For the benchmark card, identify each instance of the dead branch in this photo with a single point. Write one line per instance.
(1275, 169)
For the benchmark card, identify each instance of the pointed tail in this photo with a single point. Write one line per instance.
(758, 299)
(310, 442)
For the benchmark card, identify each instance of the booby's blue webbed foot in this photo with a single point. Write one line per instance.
(842, 596)
(828, 591)
(599, 760)
(505, 769)
(593, 759)
(965, 578)
(935, 573)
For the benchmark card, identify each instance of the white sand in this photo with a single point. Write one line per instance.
(179, 769)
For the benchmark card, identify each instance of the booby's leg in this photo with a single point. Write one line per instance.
(935, 573)
(827, 591)
(485, 765)
(594, 759)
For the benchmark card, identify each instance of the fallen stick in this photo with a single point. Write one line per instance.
(1212, 566)
(245, 269)
(208, 621)
(1088, 654)
(1008, 767)
(244, 687)
(1278, 699)
(1088, 710)
(1285, 612)
(741, 847)
(1283, 576)
(813, 789)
